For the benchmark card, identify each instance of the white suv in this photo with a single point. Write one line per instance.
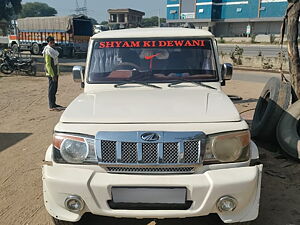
(153, 135)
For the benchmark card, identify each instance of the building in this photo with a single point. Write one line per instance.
(125, 18)
(229, 17)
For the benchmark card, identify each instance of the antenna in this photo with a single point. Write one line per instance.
(81, 10)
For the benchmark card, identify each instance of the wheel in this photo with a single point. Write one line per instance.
(35, 49)
(61, 52)
(273, 101)
(15, 48)
(71, 53)
(31, 70)
(6, 69)
(61, 222)
(288, 131)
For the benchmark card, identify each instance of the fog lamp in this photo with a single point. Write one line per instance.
(226, 204)
(74, 203)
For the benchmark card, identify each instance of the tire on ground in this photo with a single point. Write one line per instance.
(288, 131)
(273, 101)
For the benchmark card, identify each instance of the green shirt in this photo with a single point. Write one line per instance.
(51, 69)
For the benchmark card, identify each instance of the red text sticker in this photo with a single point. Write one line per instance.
(151, 44)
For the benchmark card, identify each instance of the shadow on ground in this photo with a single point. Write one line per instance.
(249, 100)
(9, 139)
(89, 219)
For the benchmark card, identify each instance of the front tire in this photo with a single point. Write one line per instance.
(4, 68)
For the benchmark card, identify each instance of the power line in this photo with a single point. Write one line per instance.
(81, 10)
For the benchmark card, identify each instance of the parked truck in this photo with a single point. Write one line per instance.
(71, 33)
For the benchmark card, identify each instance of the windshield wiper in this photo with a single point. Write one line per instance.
(137, 82)
(190, 81)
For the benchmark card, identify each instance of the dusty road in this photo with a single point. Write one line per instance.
(25, 132)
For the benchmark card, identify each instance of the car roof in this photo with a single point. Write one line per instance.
(153, 33)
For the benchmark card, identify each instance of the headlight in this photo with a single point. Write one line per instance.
(228, 147)
(73, 149)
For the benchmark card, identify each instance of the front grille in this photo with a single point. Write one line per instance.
(129, 152)
(174, 152)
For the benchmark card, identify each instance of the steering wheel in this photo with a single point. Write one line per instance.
(127, 66)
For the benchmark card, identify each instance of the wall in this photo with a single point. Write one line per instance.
(173, 6)
(237, 29)
(271, 8)
(231, 9)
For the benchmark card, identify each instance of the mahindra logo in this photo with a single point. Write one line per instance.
(150, 137)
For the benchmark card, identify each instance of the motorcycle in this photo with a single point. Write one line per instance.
(12, 63)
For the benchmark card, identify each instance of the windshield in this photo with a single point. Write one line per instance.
(156, 60)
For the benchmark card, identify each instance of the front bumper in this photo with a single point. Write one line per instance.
(204, 190)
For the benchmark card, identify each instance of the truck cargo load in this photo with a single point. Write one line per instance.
(71, 34)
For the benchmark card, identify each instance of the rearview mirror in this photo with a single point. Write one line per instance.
(227, 70)
(78, 74)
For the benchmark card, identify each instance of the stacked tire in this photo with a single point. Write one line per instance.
(274, 100)
(288, 131)
(277, 116)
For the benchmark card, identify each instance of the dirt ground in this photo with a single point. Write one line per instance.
(26, 128)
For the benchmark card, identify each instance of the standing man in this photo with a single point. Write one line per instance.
(52, 71)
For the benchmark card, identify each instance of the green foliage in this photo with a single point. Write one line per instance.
(236, 55)
(37, 9)
(93, 21)
(104, 23)
(9, 8)
(222, 41)
(272, 38)
(253, 37)
(152, 21)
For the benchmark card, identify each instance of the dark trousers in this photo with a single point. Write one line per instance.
(52, 92)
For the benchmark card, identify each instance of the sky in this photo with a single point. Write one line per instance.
(98, 8)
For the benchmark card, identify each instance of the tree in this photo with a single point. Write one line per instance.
(93, 21)
(36, 9)
(152, 21)
(9, 8)
(293, 13)
(104, 22)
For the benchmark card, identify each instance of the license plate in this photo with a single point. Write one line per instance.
(149, 195)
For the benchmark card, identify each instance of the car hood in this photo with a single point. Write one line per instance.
(172, 105)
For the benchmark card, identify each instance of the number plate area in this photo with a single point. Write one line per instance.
(149, 195)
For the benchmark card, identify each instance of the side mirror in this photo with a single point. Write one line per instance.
(227, 70)
(78, 74)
